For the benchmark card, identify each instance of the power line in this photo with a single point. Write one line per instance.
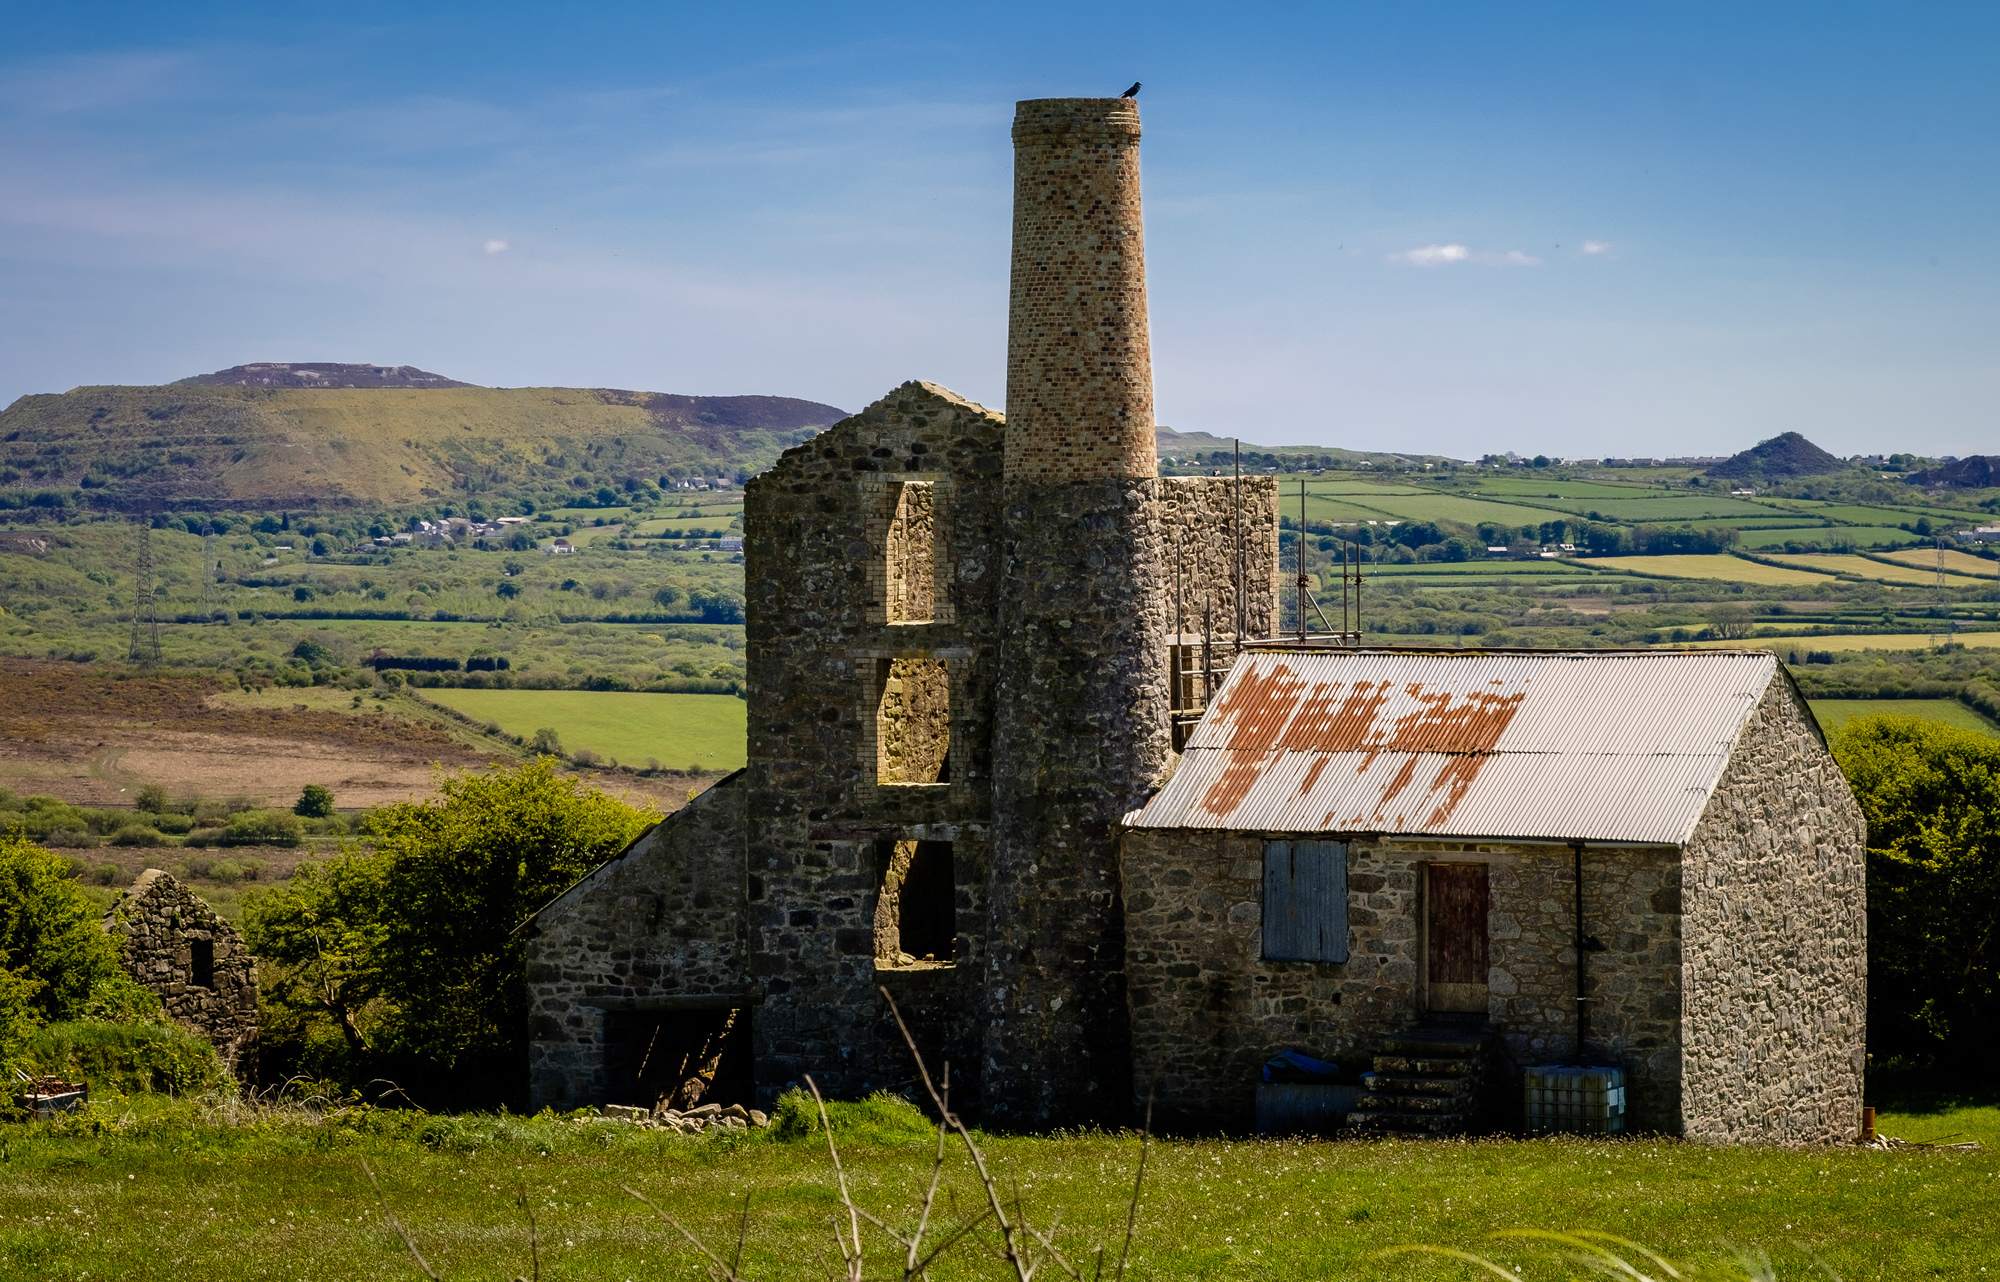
(145, 646)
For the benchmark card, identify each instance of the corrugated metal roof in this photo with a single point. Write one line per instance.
(1561, 745)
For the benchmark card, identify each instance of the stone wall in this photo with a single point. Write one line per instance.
(1203, 519)
(1776, 910)
(1207, 1009)
(663, 920)
(165, 928)
(824, 528)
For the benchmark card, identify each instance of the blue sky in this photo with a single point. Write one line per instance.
(1573, 229)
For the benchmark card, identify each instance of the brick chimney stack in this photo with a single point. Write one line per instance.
(1079, 357)
(1081, 723)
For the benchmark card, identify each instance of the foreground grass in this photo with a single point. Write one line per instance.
(680, 731)
(143, 1189)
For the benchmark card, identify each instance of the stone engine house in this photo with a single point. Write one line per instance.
(977, 643)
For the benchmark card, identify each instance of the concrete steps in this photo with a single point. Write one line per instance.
(1425, 1083)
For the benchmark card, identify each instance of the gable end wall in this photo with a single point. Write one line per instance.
(665, 918)
(1775, 968)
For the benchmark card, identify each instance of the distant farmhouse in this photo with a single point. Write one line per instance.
(1026, 753)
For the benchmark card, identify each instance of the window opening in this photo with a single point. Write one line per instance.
(679, 1059)
(913, 722)
(203, 957)
(916, 915)
(910, 554)
(1305, 901)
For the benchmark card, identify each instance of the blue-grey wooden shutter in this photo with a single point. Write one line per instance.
(1305, 901)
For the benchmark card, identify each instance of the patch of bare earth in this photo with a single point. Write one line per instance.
(91, 738)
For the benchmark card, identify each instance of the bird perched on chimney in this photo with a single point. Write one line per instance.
(1133, 92)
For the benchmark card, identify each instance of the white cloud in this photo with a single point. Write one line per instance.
(1432, 255)
(1596, 248)
(496, 246)
(1444, 255)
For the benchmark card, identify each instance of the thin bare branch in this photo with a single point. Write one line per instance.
(853, 1261)
(1138, 1182)
(1009, 1237)
(950, 1239)
(910, 1267)
(742, 1229)
(534, 1240)
(721, 1270)
(397, 1224)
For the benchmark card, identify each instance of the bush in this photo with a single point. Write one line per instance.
(316, 802)
(152, 797)
(50, 940)
(162, 1058)
(137, 834)
(547, 742)
(881, 1118)
(263, 828)
(172, 824)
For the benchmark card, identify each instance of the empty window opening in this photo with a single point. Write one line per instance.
(203, 957)
(916, 915)
(679, 1059)
(1305, 901)
(910, 555)
(913, 722)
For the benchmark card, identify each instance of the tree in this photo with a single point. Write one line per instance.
(666, 595)
(547, 742)
(1731, 621)
(414, 946)
(316, 802)
(63, 964)
(1931, 794)
(152, 797)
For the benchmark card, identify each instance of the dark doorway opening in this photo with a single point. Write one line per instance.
(1455, 929)
(916, 916)
(202, 953)
(679, 1058)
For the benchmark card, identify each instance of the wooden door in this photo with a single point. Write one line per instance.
(1455, 936)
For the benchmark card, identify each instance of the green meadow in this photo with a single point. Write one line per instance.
(144, 1189)
(679, 731)
(1835, 713)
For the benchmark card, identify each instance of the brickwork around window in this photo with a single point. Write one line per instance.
(1776, 906)
(666, 919)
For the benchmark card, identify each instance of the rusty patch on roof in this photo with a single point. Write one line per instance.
(1273, 712)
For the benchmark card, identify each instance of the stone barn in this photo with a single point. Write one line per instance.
(1367, 846)
(196, 962)
(976, 642)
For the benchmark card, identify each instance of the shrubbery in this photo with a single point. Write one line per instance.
(411, 949)
(159, 1057)
(59, 963)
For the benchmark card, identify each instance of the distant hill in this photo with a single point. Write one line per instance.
(1787, 455)
(1981, 471)
(209, 445)
(1178, 445)
(318, 374)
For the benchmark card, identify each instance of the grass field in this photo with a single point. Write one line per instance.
(1860, 566)
(1895, 642)
(1867, 536)
(1479, 569)
(706, 731)
(1835, 713)
(1955, 562)
(139, 1190)
(1419, 506)
(1676, 508)
(1731, 569)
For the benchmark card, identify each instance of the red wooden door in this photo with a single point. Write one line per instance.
(1455, 935)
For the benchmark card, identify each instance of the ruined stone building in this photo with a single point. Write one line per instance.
(195, 961)
(976, 642)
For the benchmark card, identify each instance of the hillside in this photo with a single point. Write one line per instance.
(1201, 450)
(1789, 454)
(1979, 472)
(201, 445)
(321, 374)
